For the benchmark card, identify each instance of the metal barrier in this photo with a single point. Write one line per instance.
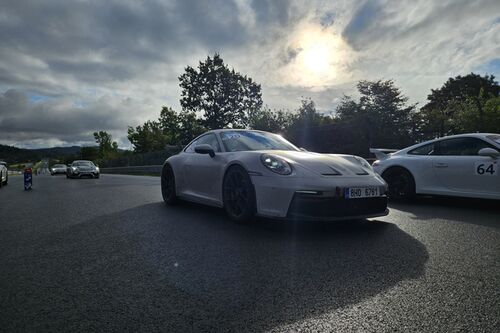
(134, 170)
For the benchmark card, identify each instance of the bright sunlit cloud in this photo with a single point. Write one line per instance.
(321, 58)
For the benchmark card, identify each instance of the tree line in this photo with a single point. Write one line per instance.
(216, 96)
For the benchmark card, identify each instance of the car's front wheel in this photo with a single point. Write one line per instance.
(401, 184)
(238, 194)
(168, 185)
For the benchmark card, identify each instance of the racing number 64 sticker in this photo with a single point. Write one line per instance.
(486, 168)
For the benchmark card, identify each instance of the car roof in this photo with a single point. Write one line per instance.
(464, 135)
(221, 130)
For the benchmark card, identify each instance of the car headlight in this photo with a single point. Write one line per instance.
(276, 164)
(97, 169)
(74, 168)
(364, 163)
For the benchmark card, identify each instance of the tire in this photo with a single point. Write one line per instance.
(168, 185)
(401, 184)
(97, 176)
(6, 179)
(1, 181)
(67, 176)
(238, 195)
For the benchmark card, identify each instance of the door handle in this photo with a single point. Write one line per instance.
(440, 165)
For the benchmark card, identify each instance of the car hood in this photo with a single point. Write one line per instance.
(324, 164)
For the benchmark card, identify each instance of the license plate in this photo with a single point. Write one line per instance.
(361, 192)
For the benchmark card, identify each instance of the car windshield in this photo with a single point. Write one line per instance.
(252, 140)
(495, 138)
(82, 163)
(59, 166)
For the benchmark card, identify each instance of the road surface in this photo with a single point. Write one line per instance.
(108, 255)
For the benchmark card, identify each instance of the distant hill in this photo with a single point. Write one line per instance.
(12, 154)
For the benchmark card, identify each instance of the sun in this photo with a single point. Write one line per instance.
(316, 59)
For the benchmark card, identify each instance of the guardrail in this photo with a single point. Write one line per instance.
(134, 170)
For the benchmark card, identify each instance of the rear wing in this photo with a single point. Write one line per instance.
(382, 153)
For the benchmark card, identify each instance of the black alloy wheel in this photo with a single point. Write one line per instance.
(401, 185)
(238, 195)
(168, 185)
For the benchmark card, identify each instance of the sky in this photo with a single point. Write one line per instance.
(69, 68)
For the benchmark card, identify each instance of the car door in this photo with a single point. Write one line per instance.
(201, 171)
(459, 167)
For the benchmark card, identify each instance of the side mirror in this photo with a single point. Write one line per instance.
(205, 149)
(493, 153)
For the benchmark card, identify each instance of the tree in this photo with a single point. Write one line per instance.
(171, 128)
(382, 116)
(265, 119)
(89, 153)
(462, 98)
(107, 147)
(189, 127)
(223, 96)
(148, 137)
(169, 124)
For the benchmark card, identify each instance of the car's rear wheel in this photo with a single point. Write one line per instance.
(168, 185)
(238, 195)
(401, 184)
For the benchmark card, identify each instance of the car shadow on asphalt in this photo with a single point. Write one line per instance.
(188, 268)
(466, 210)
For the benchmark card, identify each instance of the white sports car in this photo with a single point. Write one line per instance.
(463, 165)
(254, 172)
(4, 174)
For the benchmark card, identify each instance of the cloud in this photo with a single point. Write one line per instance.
(24, 122)
(69, 68)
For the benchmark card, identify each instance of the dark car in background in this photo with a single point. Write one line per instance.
(82, 168)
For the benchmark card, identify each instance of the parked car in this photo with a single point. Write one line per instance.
(258, 173)
(58, 169)
(82, 168)
(4, 175)
(463, 165)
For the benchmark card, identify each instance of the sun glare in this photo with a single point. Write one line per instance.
(316, 58)
(322, 56)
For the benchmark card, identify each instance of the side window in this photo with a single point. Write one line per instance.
(423, 150)
(461, 147)
(209, 139)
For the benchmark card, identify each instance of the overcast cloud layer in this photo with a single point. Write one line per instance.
(68, 68)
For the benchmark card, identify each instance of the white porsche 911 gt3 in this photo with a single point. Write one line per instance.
(463, 165)
(254, 172)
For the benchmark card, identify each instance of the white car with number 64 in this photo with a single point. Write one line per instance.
(464, 165)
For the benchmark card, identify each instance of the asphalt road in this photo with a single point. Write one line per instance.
(108, 255)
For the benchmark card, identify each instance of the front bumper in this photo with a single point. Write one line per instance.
(307, 207)
(287, 197)
(80, 174)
